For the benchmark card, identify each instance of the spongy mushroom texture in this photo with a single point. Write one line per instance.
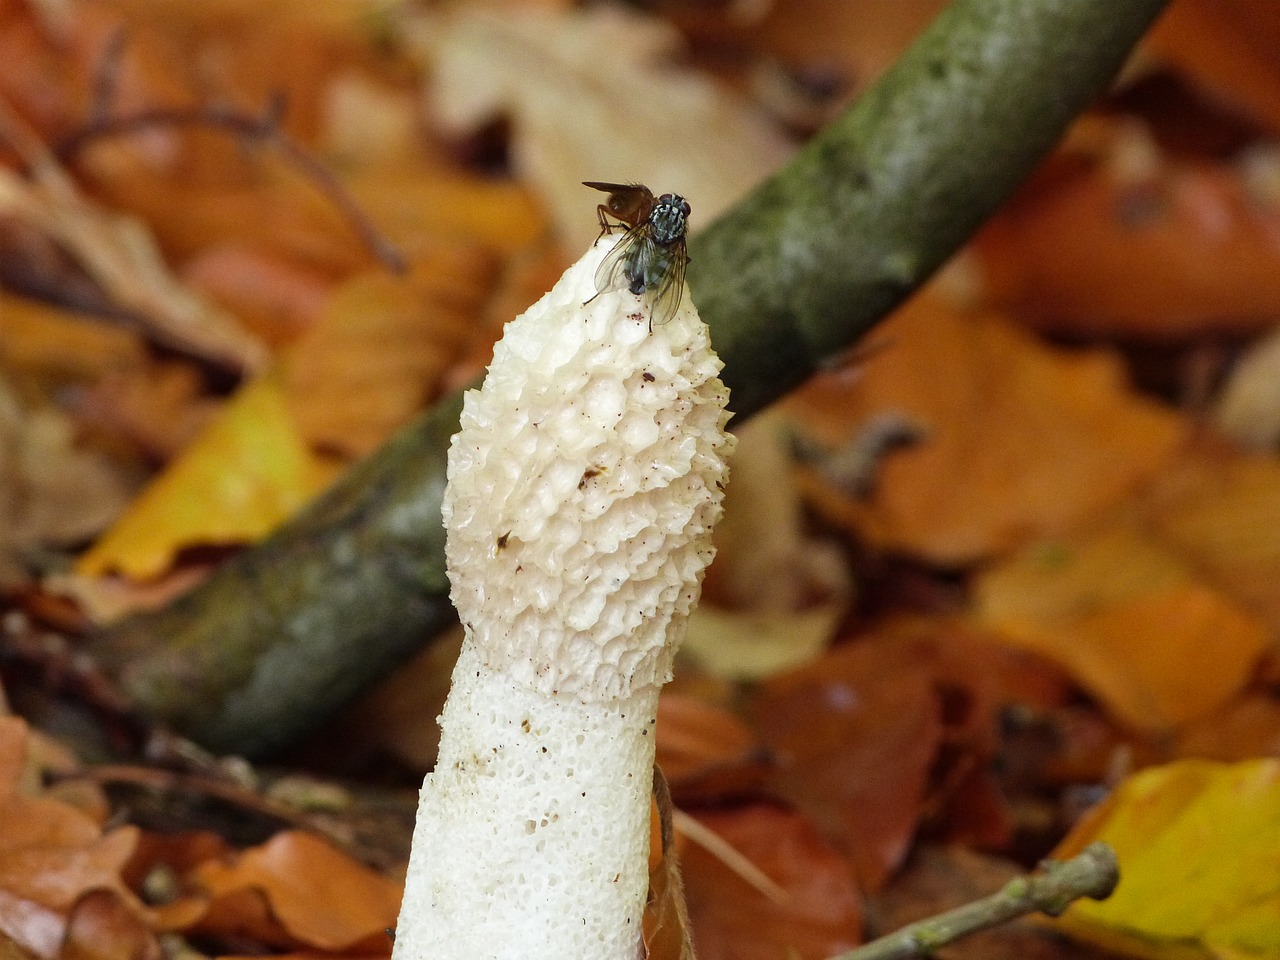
(583, 486)
(532, 837)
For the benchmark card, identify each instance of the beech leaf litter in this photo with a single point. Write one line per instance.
(1001, 584)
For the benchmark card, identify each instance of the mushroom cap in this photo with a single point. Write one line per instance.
(583, 486)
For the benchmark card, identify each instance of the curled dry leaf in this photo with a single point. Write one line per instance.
(273, 891)
(593, 95)
(51, 857)
(984, 479)
(120, 253)
(51, 492)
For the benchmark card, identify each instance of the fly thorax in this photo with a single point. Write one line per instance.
(669, 218)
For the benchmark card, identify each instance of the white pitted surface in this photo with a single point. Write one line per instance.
(532, 840)
(583, 485)
(582, 491)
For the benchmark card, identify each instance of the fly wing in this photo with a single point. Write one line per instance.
(666, 298)
(617, 271)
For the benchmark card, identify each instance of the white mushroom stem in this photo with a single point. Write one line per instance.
(583, 487)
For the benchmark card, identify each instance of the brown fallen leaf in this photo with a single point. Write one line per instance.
(1217, 508)
(819, 915)
(1246, 727)
(1133, 242)
(102, 927)
(275, 297)
(52, 494)
(889, 729)
(1227, 46)
(52, 856)
(860, 37)
(855, 734)
(47, 344)
(1019, 439)
(153, 412)
(271, 892)
(383, 348)
(120, 253)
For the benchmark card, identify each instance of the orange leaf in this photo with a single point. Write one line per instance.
(275, 297)
(101, 927)
(1186, 249)
(13, 754)
(983, 479)
(51, 857)
(1246, 728)
(46, 340)
(319, 896)
(1130, 622)
(1218, 510)
(383, 347)
(246, 473)
(696, 739)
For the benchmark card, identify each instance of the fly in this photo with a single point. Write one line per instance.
(651, 257)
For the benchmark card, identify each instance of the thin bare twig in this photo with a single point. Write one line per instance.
(107, 78)
(264, 129)
(1092, 873)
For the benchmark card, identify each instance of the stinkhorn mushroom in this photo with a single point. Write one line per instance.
(582, 489)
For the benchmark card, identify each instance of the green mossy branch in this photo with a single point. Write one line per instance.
(286, 633)
(1093, 873)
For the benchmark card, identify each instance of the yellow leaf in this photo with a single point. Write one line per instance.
(1199, 850)
(248, 471)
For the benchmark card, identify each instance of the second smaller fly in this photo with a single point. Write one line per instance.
(651, 257)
